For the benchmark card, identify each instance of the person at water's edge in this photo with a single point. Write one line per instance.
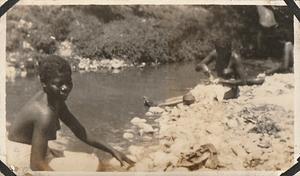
(37, 122)
(227, 65)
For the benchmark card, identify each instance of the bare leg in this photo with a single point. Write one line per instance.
(273, 70)
(259, 43)
(287, 55)
(287, 60)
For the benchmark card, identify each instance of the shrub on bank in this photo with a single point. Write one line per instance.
(150, 34)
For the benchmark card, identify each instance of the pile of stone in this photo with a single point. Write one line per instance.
(87, 64)
(211, 133)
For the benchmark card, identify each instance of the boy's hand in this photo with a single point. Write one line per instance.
(227, 71)
(121, 158)
(214, 80)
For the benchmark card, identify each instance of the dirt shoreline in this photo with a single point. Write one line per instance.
(253, 132)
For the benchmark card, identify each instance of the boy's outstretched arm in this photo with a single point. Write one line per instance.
(69, 119)
(203, 64)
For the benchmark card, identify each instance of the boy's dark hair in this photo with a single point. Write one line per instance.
(50, 66)
(223, 42)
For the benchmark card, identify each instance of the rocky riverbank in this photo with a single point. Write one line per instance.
(253, 132)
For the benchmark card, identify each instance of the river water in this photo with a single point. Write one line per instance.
(106, 102)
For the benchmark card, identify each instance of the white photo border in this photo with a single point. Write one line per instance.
(152, 2)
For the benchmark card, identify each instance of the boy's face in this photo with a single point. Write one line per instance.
(59, 87)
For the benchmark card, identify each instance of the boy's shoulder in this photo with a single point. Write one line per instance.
(37, 111)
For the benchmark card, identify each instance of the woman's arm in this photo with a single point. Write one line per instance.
(76, 127)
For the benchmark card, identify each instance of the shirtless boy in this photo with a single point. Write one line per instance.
(37, 122)
(228, 65)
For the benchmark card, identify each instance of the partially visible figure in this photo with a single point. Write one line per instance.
(287, 60)
(38, 121)
(228, 67)
(271, 43)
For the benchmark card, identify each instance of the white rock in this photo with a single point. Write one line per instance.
(137, 120)
(104, 63)
(117, 64)
(128, 135)
(147, 138)
(232, 123)
(181, 107)
(146, 128)
(136, 151)
(149, 114)
(156, 110)
(129, 131)
(175, 112)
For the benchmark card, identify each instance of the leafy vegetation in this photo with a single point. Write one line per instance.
(150, 34)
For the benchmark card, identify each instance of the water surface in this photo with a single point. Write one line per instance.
(106, 102)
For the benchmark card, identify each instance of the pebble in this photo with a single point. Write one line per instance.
(149, 114)
(232, 123)
(264, 144)
(129, 131)
(156, 110)
(146, 128)
(147, 138)
(128, 135)
(137, 120)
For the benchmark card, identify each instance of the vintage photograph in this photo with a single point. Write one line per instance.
(149, 88)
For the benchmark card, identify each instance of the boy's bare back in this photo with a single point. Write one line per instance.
(35, 114)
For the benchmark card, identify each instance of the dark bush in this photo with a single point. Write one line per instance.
(137, 33)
